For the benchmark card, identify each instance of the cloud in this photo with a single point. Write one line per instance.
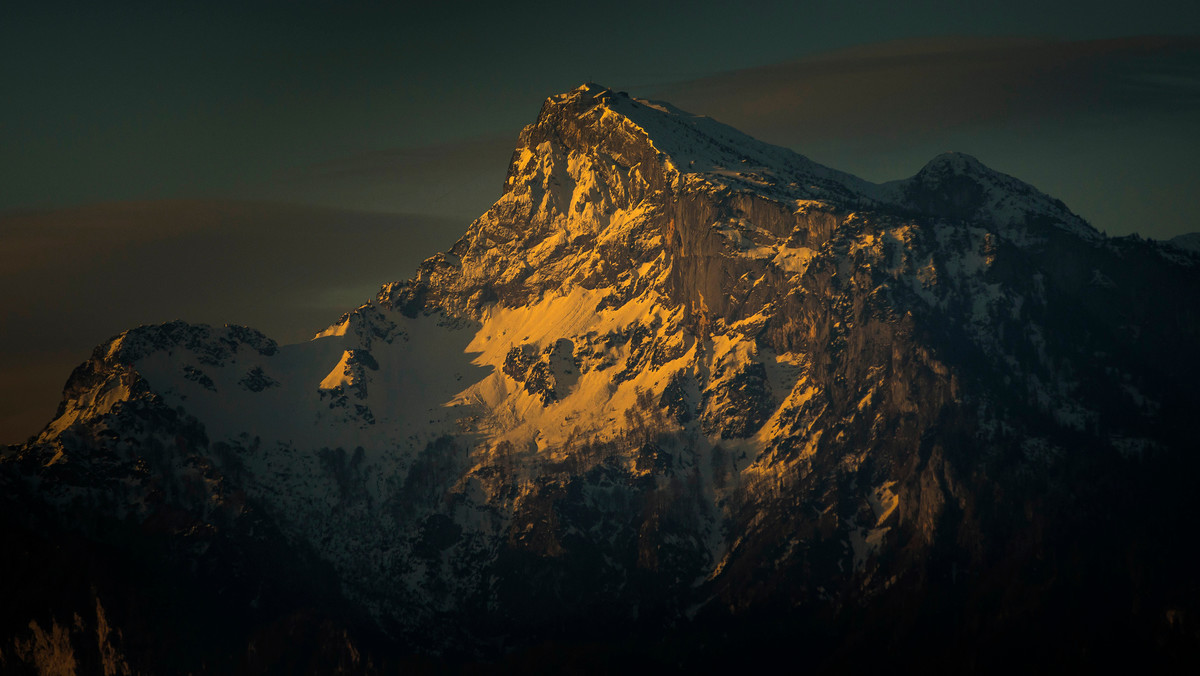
(75, 277)
(892, 90)
(459, 179)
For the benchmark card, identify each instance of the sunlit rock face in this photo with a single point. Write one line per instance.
(677, 391)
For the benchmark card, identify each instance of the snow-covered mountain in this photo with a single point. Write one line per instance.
(677, 392)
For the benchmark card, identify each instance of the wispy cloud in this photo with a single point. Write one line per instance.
(896, 89)
(459, 179)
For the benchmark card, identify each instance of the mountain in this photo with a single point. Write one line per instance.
(680, 397)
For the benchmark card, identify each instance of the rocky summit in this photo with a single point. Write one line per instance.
(679, 400)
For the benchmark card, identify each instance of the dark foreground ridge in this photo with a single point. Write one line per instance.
(681, 400)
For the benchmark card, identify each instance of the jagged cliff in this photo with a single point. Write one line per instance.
(675, 392)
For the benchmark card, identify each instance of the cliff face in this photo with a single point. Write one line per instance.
(676, 387)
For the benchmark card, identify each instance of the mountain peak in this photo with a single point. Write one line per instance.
(955, 163)
(689, 148)
(601, 167)
(958, 186)
(594, 119)
(586, 92)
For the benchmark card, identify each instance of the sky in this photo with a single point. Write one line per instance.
(273, 163)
